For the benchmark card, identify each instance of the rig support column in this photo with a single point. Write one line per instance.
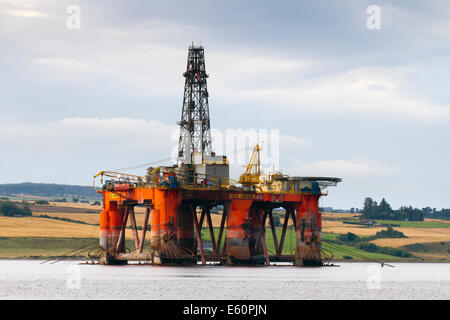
(185, 227)
(155, 236)
(308, 231)
(237, 246)
(114, 216)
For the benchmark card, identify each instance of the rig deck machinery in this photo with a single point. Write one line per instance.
(178, 198)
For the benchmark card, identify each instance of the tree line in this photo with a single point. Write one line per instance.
(11, 209)
(383, 210)
(49, 190)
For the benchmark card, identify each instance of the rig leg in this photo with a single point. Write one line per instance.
(226, 207)
(185, 229)
(211, 231)
(200, 224)
(114, 215)
(272, 226)
(283, 232)
(198, 235)
(144, 229)
(155, 236)
(262, 234)
(134, 228)
(120, 247)
(308, 232)
(237, 244)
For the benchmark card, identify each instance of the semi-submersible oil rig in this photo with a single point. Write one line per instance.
(178, 198)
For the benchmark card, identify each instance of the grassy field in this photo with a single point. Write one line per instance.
(84, 217)
(416, 231)
(26, 247)
(338, 251)
(436, 220)
(416, 235)
(429, 251)
(339, 216)
(37, 236)
(416, 224)
(36, 247)
(41, 227)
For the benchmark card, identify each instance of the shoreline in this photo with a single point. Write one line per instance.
(84, 258)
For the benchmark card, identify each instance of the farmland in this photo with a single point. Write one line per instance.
(56, 226)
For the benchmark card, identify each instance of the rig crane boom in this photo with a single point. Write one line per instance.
(253, 170)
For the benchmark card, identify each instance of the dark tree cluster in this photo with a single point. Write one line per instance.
(40, 202)
(11, 209)
(383, 210)
(436, 214)
(373, 210)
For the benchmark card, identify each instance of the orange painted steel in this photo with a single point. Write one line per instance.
(173, 237)
(308, 231)
(115, 222)
(120, 246)
(104, 229)
(155, 236)
(110, 223)
(185, 228)
(237, 232)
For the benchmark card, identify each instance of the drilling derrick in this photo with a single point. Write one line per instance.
(195, 133)
(195, 157)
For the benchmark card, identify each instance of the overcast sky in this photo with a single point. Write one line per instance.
(371, 106)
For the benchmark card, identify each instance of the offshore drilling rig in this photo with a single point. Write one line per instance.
(178, 198)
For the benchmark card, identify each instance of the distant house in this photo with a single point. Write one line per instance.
(368, 222)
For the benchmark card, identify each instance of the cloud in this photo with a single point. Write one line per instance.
(110, 143)
(242, 69)
(26, 13)
(366, 90)
(23, 8)
(293, 143)
(152, 67)
(133, 66)
(440, 28)
(120, 140)
(341, 168)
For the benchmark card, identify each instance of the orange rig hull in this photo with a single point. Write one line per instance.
(175, 218)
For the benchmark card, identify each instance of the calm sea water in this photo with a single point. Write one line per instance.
(29, 279)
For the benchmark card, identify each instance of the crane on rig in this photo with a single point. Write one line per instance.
(119, 176)
(252, 172)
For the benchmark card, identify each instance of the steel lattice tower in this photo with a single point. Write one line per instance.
(195, 133)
